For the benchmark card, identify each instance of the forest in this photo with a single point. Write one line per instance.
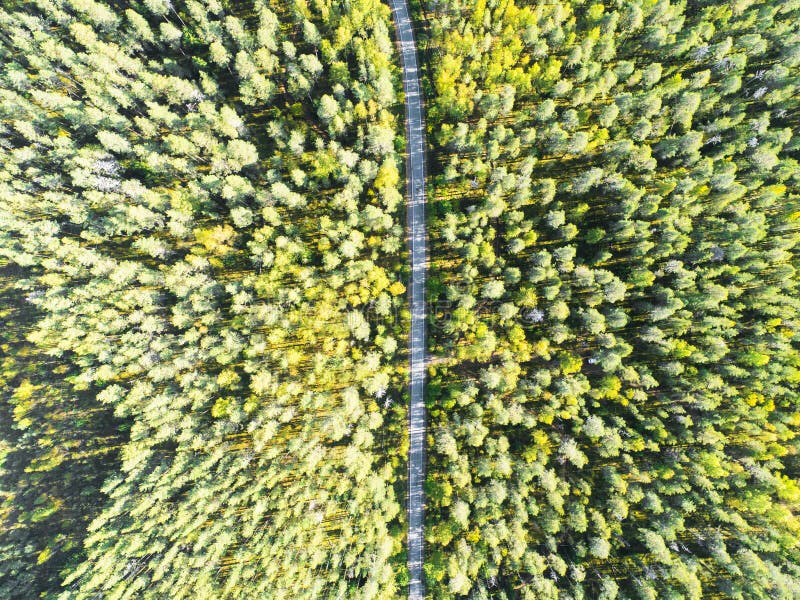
(202, 272)
(614, 409)
(204, 315)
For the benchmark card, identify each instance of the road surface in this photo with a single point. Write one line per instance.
(415, 195)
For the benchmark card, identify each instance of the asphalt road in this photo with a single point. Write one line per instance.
(417, 234)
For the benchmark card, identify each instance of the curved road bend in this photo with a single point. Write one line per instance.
(415, 174)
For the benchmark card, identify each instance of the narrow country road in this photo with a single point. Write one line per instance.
(415, 195)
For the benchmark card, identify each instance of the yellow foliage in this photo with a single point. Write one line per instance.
(788, 490)
(682, 349)
(552, 69)
(216, 240)
(773, 323)
(542, 348)
(530, 454)
(702, 190)
(25, 390)
(610, 387)
(24, 403)
(778, 189)
(447, 74)
(44, 556)
(251, 404)
(388, 176)
(227, 378)
(754, 398)
(569, 363)
(220, 408)
(378, 280)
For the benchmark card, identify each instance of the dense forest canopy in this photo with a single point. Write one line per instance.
(200, 217)
(614, 411)
(203, 281)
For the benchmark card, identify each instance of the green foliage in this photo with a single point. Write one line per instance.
(614, 405)
(201, 243)
(204, 197)
(56, 447)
